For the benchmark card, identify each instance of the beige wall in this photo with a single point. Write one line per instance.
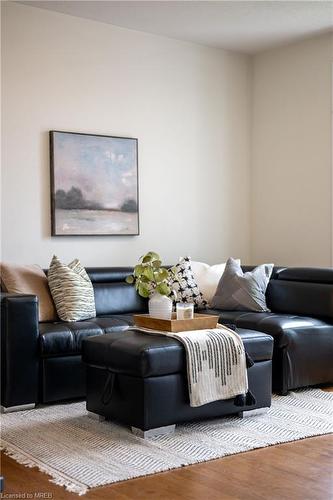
(188, 105)
(291, 164)
(201, 191)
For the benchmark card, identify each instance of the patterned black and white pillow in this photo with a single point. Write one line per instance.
(183, 284)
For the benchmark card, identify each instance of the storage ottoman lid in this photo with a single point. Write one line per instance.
(144, 355)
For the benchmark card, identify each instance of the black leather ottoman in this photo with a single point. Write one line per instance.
(140, 380)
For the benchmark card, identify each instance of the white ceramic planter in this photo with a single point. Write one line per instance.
(160, 306)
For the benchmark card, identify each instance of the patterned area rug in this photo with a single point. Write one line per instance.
(81, 453)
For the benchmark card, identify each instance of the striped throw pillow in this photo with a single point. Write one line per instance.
(72, 290)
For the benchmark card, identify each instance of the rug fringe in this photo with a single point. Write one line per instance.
(55, 478)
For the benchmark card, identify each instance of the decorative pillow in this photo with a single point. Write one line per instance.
(72, 290)
(238, 291)
(207, 277)
(183, 283)
(29, 280)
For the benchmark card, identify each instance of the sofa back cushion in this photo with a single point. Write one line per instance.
(307, 274)
(303, 291)
(112, 294)
(117, 298)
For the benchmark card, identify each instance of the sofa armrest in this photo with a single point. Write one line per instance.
(19, 349)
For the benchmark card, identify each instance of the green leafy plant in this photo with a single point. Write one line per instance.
(150, 276)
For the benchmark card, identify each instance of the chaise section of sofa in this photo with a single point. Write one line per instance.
(301, 323)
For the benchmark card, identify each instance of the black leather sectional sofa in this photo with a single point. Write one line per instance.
(41, 362)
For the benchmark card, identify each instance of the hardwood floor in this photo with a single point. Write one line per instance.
(299, 470)
(292, 471)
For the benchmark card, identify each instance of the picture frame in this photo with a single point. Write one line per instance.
(94, 184)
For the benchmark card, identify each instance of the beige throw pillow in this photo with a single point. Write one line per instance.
(29, 280)
(72, 290)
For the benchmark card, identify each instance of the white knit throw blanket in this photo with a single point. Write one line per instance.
(216, 363)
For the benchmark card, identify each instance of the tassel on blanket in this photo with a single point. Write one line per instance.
(249, 360)
(250, 399)
(245, 399)
(239, 400)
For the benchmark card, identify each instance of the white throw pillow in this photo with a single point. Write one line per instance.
(207, 277)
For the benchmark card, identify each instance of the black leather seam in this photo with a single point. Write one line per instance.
(74, 343)
(152, 349)
(262, 338)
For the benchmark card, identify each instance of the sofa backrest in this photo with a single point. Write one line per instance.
(293, 290)
(302, 291)
(112, 294)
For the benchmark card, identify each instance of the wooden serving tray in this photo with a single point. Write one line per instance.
(199, 322)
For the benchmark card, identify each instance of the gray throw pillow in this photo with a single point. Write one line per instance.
(238, 291)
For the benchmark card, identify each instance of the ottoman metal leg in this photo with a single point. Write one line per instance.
(158, 431)
(253, 413)
(95, 416)
(10, 409)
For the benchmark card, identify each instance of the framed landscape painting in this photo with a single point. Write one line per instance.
(94, 184)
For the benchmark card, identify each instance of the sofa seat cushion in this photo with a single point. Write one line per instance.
(61, 339)
(284, 328)
(143, 355)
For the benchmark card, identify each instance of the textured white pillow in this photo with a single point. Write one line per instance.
(207, 277)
